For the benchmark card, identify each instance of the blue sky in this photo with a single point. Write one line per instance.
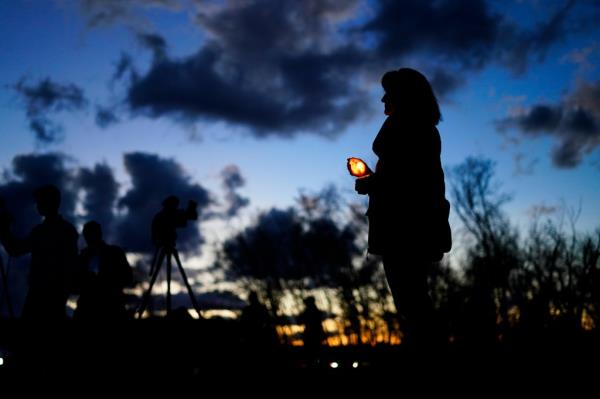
(61, 41)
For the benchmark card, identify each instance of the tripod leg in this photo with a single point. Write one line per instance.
(187, 284)
(168, 283)
(146, 298)
(157, 253)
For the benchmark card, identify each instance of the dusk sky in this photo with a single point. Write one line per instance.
(232, 101)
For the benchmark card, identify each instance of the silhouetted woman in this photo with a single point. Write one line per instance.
(408, 211)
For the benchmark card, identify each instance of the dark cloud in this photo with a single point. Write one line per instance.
(263, 28)
(232, 181)
(293, 244)
(288, 67)
(155, 43)
(584, 57)
(466, 32)
(101, 190)
(106, 117)
(541, 117)
(153, 179)
(272, 67)
(46, 131)
(107, 12)
(26, 173)
(445, 82)
(574, 123)
(29, 172)
(516, 46)
(123, 65)
(47, 97)
(459, 30)
(126, 219)
(194, 89)
(267, 249)
(95, 191)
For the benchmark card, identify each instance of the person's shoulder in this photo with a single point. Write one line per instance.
(73, 231)
(113, 247)
(115, 250)
(68, 226)
(57, 225)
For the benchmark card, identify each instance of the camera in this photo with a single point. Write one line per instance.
(169, 219)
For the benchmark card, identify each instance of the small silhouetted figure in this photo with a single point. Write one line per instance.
(408, 211)
(169, 219)
(103, 272)
(312, 318)
(53, 248)
(257, 323)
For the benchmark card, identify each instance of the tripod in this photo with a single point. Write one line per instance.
(169, 252)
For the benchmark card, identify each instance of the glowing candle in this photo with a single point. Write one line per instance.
(358, 168)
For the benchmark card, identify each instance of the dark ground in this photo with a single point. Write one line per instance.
(200, 351)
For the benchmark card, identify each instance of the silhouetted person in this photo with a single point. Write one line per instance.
(408, 211)
(257, 323)
(313, 335)
(53, 248)
(169, 219)
(103, 272)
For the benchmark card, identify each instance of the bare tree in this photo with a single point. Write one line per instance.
(494, 255)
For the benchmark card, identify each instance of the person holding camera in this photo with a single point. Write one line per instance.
(53, 248)
(169, 219)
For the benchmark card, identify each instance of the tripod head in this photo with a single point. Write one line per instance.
(169, 219)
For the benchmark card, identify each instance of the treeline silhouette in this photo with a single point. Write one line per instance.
(501, 288)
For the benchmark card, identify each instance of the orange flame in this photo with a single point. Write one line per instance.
(358, 168)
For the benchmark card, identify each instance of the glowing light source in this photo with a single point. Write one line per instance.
(334, 365)
(358, 168)
(1, 361)
(355, 365)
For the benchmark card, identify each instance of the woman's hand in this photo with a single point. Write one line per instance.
(362, 185)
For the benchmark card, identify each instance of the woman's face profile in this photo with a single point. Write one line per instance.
(389, 107)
